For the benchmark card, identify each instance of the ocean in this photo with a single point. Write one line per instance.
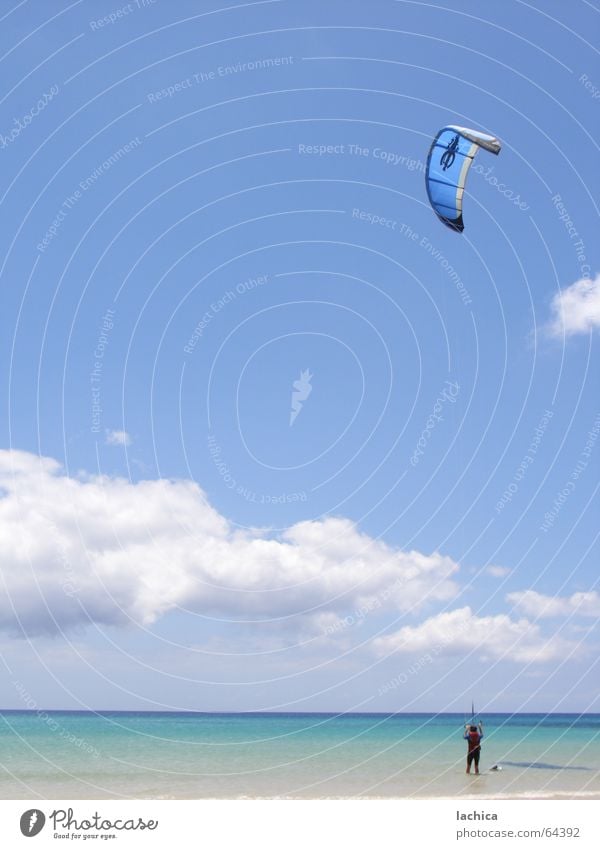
(120, 755)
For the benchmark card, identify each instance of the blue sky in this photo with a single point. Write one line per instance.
(201, 204)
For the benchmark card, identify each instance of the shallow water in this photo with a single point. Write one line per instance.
(73, 755)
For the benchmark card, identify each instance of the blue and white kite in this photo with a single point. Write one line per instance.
(449, 160)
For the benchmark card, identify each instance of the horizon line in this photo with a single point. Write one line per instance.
(296, 713)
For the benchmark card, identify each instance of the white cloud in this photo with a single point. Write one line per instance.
(118, 437)
(543, 606)
(489, 637)
(498, 571)
(576, 309)
(75, 549)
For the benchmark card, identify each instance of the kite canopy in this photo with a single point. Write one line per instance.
(449, 160)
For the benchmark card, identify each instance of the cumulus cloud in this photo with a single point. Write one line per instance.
(544, 606)
(490, 637)
(118, 437)
(104, 549)
(498, 571)
(576, 309)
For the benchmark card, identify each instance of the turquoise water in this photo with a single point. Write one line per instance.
(78, 755)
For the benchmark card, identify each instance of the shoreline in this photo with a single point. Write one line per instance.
(510, 797)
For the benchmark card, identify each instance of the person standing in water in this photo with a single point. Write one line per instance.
(474, 735)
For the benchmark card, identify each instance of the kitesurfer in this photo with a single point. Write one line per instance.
(473, 735)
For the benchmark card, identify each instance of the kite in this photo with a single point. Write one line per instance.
(450, 157)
